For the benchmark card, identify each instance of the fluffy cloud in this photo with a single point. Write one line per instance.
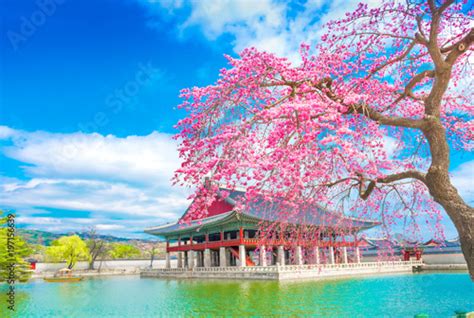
(104, 197)
(143, 159)
(124, 183)
(463, 180)
(271, 25)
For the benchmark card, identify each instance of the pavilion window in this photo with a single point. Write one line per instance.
(214, 237)
(199, 239)
(230, 235)
(252, 233)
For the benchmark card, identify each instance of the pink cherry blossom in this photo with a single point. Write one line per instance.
(362, 125)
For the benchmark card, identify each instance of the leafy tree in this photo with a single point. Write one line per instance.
(121, 251)
(153, 252)
(38, 251)
(68, 248)
(13, 250)
(315, 132)
(98, 249)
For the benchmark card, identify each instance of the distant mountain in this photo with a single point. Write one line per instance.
(45, 238)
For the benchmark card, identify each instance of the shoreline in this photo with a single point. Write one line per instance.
(444, 267)
(92, 273)
(135, 267)
(454, 268)
(120, 272)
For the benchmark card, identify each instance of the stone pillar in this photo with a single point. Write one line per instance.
(281, 255)
(228, 256)
(207, 257)
(200, 258)
(344, 254)
(357, 252)
(298, 256)
(331, 255)
(168, 260)
(316, 255)
(242, 256)
(191, 259)
(197, 256)
(263, 256)
(180, 259)
(222, 257)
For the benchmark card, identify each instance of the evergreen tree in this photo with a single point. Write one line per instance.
(13, 251)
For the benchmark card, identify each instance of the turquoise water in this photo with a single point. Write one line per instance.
(438, 295)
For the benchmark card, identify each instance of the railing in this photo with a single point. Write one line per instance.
(278, 268)
(253, 242)
(351, 265)
(203, 246)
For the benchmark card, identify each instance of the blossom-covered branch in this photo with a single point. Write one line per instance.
(373, 109)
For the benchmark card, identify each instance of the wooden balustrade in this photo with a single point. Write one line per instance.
(255, 242)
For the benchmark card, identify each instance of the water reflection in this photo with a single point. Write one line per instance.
(387, 296)
(21, 301)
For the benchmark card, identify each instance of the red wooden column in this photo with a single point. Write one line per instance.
(241, 235)
(222, 236)
(168, 259)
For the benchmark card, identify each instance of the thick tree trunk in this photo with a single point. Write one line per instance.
(443, 192)
(460, 213)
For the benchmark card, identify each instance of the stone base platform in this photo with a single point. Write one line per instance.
(288, 272)
(444, 267)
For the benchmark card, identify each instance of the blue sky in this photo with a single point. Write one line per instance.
(88, 98)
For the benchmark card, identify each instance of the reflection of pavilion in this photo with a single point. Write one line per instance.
(229, 238)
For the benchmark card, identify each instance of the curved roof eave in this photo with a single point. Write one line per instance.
(176, 228)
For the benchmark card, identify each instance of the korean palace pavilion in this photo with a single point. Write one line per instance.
(229, 237)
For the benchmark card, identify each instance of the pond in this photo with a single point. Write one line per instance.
(436, 294)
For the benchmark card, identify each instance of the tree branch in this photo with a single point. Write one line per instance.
(444, 6)
(397, 59)
(460, 47)
(433, 47)
(409, 174)
(325, 86)
(415, 80)
(385, 120)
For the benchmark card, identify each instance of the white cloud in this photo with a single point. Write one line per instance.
(391, 146)
(6, 132)
(95, 196)
(38, 220)
(109, 227)
(109, 177)
(142, 159)
(463, 179)
(270, 25)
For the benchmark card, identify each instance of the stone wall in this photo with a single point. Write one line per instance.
(127, 265)
(291, 272)
(436, 259)
(431, 259)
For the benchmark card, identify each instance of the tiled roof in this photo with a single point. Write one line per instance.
(265, 211)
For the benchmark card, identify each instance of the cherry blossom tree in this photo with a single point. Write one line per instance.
(365, 123)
